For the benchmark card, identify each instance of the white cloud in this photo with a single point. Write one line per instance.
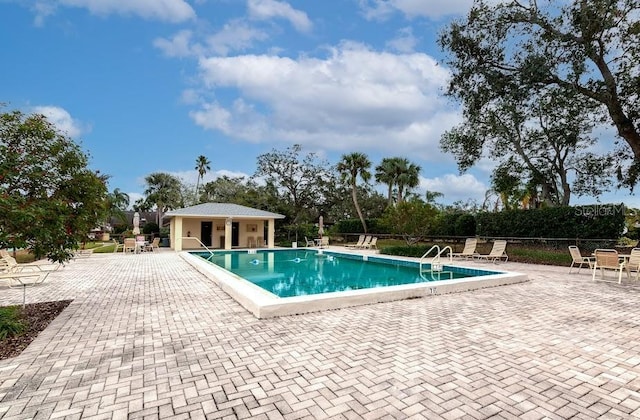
(179, 45)
(405, 42)
(355, 98)
(60, 118)
(383, 9)
(268, 9)
(164, 10)
(236, 35)
(455, 187)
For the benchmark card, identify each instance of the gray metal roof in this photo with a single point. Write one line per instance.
(223, 210)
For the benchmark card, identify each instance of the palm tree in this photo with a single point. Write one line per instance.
(350, 166)
(202, 166)
(408, 176)
(386, 174)
(164, 191)
(118, 201)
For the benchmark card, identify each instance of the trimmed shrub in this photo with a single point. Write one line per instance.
(355, 226)
(587, 222)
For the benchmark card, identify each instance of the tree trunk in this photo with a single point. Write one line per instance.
(354, 195)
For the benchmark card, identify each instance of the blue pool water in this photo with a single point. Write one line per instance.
(305, 272)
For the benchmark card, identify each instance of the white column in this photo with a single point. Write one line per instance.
(177, 236)
(227, 233)
(272, 233)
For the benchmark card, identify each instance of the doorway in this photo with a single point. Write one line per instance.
(235, 234)
(206, 229)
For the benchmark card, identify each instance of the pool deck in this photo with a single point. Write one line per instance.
(147, 336)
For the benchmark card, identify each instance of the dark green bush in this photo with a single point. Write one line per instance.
(589, 222)
(150, 227)
(355, 226)
(406, 251)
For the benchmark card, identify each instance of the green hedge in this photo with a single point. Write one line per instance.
(586, 222)
(406, 251)
(355, 226)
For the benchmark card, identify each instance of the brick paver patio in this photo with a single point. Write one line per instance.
(146, 336)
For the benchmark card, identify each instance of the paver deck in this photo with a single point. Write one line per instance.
(146, 336)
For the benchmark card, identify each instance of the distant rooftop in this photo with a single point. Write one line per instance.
(223, 210)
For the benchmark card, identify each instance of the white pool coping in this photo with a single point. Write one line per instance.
(264, 304)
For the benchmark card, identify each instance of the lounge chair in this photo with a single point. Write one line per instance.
(498, 252)
(633, 263)
(469, 250)
(367, 242)
(357, 244)
(24, 278)
(309, 242)
(372, 244)
(9, 264)
(579, 259)
(608, 259)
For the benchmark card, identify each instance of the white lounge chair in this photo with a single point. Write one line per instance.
(373, 243)
(579, 259)
(469, 250)
(357, 244)
(608, 259)
(497, 253)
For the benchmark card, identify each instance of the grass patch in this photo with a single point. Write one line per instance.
(10, 322)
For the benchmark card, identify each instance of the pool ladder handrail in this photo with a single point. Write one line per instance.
(434, 260)
(200, 242)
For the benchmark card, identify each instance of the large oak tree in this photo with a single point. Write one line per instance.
(590, 49)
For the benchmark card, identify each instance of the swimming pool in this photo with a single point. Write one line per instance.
(274, 282)
(307, 272)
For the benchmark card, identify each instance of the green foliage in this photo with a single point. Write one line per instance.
(557, 70)
(412, 219)
(49, 199)
(150, 227)
(10, 323)
(455, 223)
(300, 184)
(354, 226)
(588, 222)
(416, 251)
(350, 167)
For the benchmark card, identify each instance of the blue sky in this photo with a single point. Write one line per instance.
(148, 85)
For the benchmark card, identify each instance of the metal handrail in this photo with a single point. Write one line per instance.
(200, 242)
(435, 261)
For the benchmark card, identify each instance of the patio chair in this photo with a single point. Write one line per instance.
(117, 246)
(367, 242)
(497, 253)
(469, 250)
(357, 244)
(260, 242)
(129, 245)
(309, 242)
(251, 242)
(153, 245)
(608, 259)
(633, 263)
(324, 241)
(579, 259)
(373, 243)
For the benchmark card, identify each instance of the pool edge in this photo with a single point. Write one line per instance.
(263, 304)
